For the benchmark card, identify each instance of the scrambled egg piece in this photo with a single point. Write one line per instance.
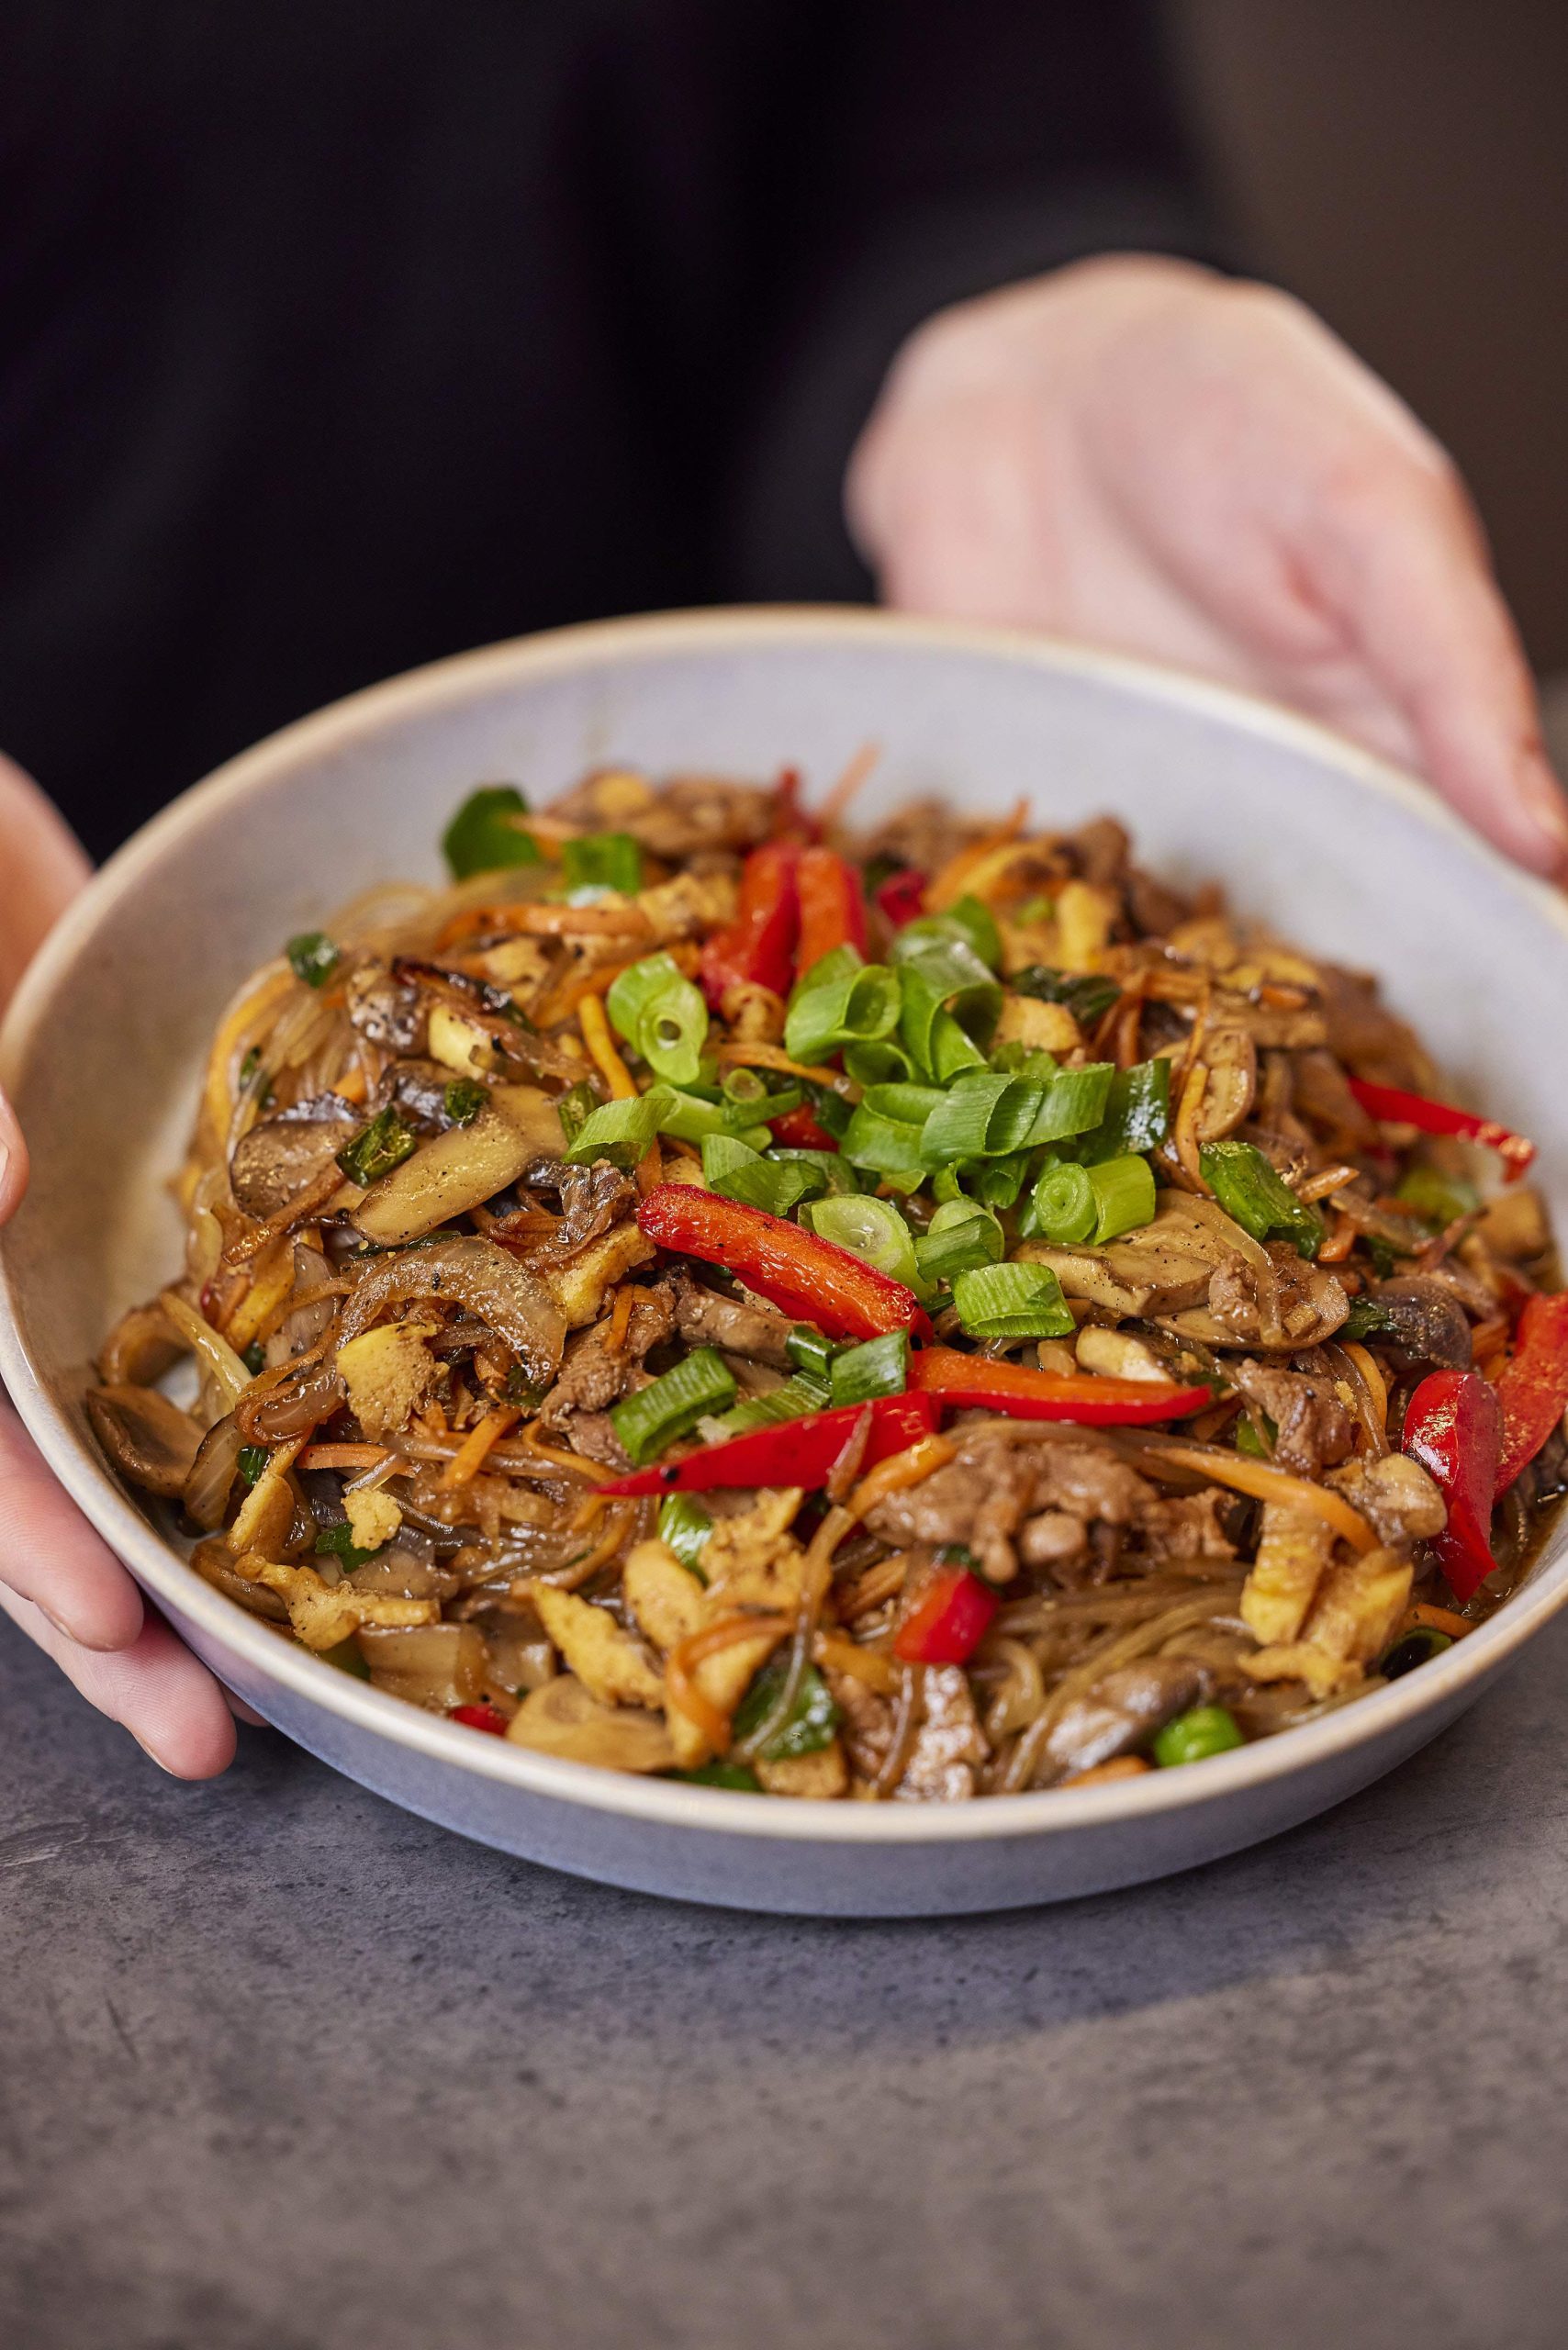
(389, 1374)
(323, 1613)
(607, 1660)
(373, 1518)
(1048, 1027)
(579, 1288)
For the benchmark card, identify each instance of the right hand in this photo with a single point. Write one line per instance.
(58, 1580)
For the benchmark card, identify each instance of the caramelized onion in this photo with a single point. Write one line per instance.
(480, 1277)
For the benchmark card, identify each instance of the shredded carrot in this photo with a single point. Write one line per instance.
(680, 1668)
(1377, 1386)
(594, 1471)
(352, 1086)
(469, 1458)
(343, 1456)
(1437, 1619)
(1120, 1766)
(683, 952)
(1267, 1485)
(1340, 1242)
(473, 921)
(953, 880)
(1279, 998)
(618, 1522)
(620, 1318)
(602, 1050)
(903, 1469)
(775, 1056)
(869, 1665)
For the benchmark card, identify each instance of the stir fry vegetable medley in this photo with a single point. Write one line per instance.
(922, 1317)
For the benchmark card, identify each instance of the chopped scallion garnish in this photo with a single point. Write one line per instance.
(656, 1415)
(1124, 1195)
(871, 1229)
(312, 957)
(619, 1131)
(878, 1367)
(378, 1148)
(252, 1461)
(737, 1172)
(683, 1527)
(841, 1000)
(463, 1100)
(1013, 1300)
(602, 861)
(962, 1235)
(485, 837)
(662, 1016)
(1248, 1189)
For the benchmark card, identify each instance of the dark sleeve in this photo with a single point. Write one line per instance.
(960, 145)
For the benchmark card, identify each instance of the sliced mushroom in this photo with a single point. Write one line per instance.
(284, 1156)
(214, 1562)
(1430, 1326)
(434, 1665)
(140, 1347)
(562, 1718)
(462, 1167)
(149, 1440)
(1231, 1086)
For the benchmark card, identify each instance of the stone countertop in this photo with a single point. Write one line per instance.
(282, 2068)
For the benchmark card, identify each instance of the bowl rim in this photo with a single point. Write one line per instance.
(671, 1804)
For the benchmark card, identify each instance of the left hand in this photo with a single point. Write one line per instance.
(1139, 453)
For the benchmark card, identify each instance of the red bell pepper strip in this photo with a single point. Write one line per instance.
(486, 1718)
(1398, 1108)
(901, 896)
(949, 1620)
(833, 906)
(1453, 1426)
(808, 1279)
(794, 1452)
(972, 1382)
(757, 947)
(798, 1130)
(1533, 1386)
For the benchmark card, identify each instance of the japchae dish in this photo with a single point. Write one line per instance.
(918, 1315)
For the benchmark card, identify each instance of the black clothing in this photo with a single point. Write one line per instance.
(336, 337)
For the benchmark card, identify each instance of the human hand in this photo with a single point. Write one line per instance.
(60, 1583)
(1137, 452)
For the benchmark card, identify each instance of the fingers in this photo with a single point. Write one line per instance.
(155, 1688)
(50, 1555)
(1402, 556)
(42, 865)
(13, 1161)
(71, 1594)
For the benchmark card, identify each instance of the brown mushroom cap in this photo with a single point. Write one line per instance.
(149, 1440)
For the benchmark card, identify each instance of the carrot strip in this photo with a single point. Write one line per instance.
(904, 1468)
(469, 1458)
(620, 1318)
(343, 1456)
(1377, 1386)
(1438, 1620)
(1265, 1484)
(774, 1057)
(953, 879)
(602, 1050)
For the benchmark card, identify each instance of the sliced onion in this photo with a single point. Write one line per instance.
(211, 1350)
(212, 1472)
(480, 1277)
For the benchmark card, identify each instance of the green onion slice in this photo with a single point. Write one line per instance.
(252, 1462)
(1086, 995)
(1260, 1200)
(739, 1173)
(981, 1116)
(841, 1000)
(575, 1106)
(602, 861)
(463, 1100)
(791, 1400)
(1013, 1300)
(810, 1352)
(662, 1016)
(1124, 1195)
(950, 1007)
(484, 836)
(619, 1131)
(1075, 1103)
(377, 1148)
(973, 924)
(833, 1170)
(655, 1416)
(312, 957)
(871, 1229)
(691, 1118)
(962, 1234)
(684, 1527)
(808, 1725)
(1136, 1114)
(1062, 1206)
(878, 1367)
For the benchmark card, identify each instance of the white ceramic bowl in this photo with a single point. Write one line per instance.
(101, 1052)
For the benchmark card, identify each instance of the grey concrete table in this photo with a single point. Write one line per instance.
(283, 2069)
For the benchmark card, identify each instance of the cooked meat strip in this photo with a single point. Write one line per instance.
(593, 1373)
(1429, 1324)
(592, 1199)
(949, 1745)
(1306, 1307)
(1395, 1495)
(1121, 1712)
(1185, 1526)
(1314, 1429)
(706, 1319)
(981, 1497)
